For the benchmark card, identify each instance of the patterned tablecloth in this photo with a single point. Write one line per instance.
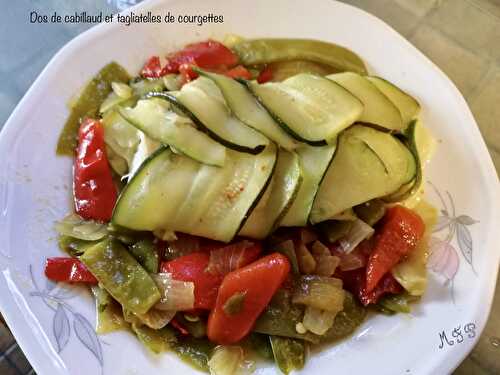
(469, 54)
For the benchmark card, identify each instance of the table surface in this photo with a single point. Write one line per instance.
(461, 36)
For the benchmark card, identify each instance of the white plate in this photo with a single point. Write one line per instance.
(53, 324)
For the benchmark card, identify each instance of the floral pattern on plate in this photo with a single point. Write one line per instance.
(443, 256)
(56, 299)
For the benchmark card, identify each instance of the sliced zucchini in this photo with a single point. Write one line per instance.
(312, 109)
(406, 169)
(407, 105)
(411, 187)
(277, 198)
(247, 180)
(120, 136)
(367, 164)
(378, 109)
(144, 150)
(265, 51)
(138, 88)
(203, 99)
(176, 193)
(117, 163)
(144, 86)
(153, 117)
(205, 188)
(151, 198)
(172, 82)
(314, 162)
(346, 215)
(112, 101)
(249, 111)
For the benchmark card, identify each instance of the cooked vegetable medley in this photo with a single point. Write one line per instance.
(245, 200)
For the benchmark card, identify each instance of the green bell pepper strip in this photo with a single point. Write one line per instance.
(121, 275)
(264, 51)
(259, 344)
(195, 352)
(282, 70)
(128, 236)
(109, 312)
(74, 246)
(397, 303)
(347, 320)
(289, 354)
(146, 254)
(87, 105)
(370, 212)
(156, 340)
(287, 248)
(334, 230)
(281, 317)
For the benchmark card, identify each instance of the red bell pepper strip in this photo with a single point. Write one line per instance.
(355, 282)
(152, 68)
(256, 284)
(265, 75)
(193, 267)
(70, 270)
(196, 267)
(207, 55)
(239, 72)
(93, 188)
(187, 73)
(400, 231)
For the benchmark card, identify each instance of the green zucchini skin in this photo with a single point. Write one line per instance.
(304, 97)
(208, 201)
(248, 110)
(257, 199)
(407, 190)
(144, 164)
(285, 210)
(280, 121)
(160, 149)
(312, 159)
(378, 108)
(408, 106)
(152, 117)
(282, 192)
(181, 107)
(367, 164)
(309, 107)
